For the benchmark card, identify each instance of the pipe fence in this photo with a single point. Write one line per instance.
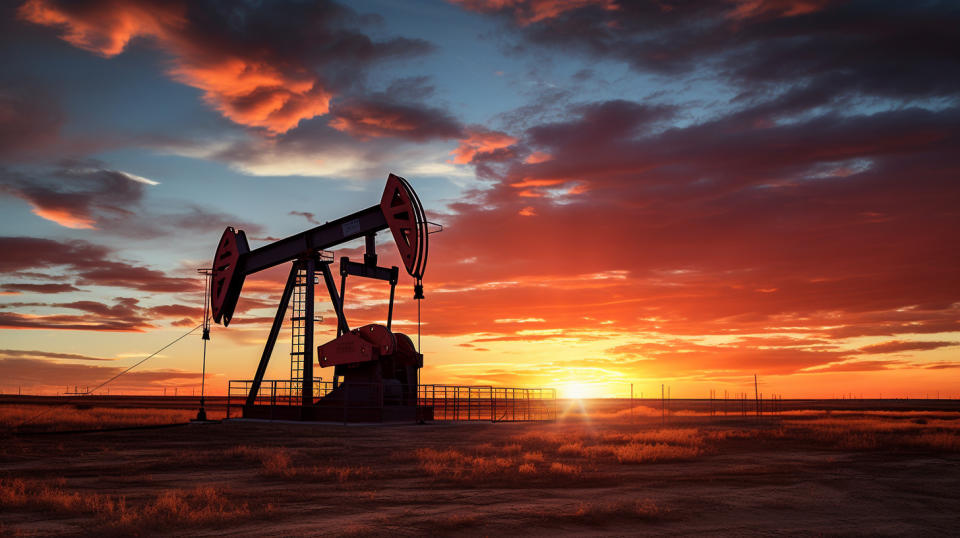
(452, 403)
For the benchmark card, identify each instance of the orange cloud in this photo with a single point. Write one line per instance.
(371, 126)
(538, 157)
(247, 77)
(747, 9)
(256, 93)
(105, 31)
(65, 218)
(480, 141)
(527, 12)
(529, 182)
(578, 188)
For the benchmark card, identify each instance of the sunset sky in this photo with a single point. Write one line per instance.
(631, 192)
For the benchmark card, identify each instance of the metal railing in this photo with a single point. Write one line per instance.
(485, 403)
(273, 392)
(285, 393)
(445, 402)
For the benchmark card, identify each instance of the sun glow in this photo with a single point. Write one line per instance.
(579, 391)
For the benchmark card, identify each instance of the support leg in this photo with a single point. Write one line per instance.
(274, 331)
(343, 292)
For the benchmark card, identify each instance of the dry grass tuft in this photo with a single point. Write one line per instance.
(69, 417)
(668, 444)
(942, 441)
(200, 506)
(565, 469)
(278, 462)
(533, 456)
(50, 496)
(644, 453)
(545, 440)
(643, 509)
(675, 436)
(881, 432)
(571, 449)
(462, 467)
(274, 461)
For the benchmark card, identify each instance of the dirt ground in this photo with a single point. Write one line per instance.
(857, 473)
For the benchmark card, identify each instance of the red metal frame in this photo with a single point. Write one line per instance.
(347, 348)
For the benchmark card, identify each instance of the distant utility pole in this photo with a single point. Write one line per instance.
(756, 394)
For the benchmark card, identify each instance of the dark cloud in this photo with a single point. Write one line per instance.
(30, 121)
(38, 288)
(898, 346)
(36, 354)
(79, 194)
(381, 116)
(87, 263)
(311, 217)
(943, 365)
(792, 56)
(123, 314)
(124, 307)
(84, 194)
(47, 374)
(176, 310)
(410, 89)
(679, 359)
(14, 320)
(864, 366)
(600, 123)
(526, 12)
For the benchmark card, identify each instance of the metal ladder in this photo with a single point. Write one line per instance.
(298, 324)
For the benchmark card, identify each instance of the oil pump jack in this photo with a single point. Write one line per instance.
(373, 367)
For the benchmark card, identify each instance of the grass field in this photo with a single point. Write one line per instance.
(608, 472)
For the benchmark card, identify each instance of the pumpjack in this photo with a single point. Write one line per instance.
(374, 368)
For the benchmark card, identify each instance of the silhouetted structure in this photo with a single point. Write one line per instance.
(374, 368)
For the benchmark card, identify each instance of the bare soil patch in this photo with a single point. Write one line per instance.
(862, 473)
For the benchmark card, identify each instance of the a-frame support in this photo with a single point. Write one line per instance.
(308, 265)
(274, 332)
